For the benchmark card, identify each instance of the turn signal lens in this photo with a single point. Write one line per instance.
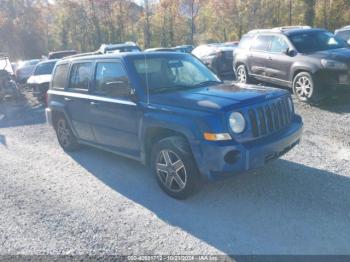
(217, 137)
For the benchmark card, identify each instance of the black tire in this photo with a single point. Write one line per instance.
(177, 148)
(242, 75)
(306, 89)
(64, 134)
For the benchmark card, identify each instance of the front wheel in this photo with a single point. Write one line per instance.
(304, 88)
(174, 166)
(242, 74)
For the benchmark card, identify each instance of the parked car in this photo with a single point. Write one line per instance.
(61, 54)
(344, 33)
(8, 87)
(25, 69)
(160, 49)
(184, 48)
(40, 80)
(313, 62)
(218, 57)
(170, 111)
(118, 48)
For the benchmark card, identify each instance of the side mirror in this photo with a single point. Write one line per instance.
(290, 52)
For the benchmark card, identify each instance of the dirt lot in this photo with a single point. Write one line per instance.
(92, 202)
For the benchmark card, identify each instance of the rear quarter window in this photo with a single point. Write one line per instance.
(245, 43)
(60, 76)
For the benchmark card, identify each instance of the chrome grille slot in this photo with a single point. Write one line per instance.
(270, 118)
(254, 122)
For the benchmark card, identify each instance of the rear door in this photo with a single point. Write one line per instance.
(279, 62)
(258, 55)
(115, 116)
(77, 99)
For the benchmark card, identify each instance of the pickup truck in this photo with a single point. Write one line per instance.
(169, 111)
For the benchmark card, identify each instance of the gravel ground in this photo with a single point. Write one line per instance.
(92, 202)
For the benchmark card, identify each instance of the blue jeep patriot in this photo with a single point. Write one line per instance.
(168, 110)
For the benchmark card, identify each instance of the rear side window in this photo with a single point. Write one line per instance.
(112, 80)
(261, 43)
(345, 35)
(245, 42)
(60, 76)
(80, 76)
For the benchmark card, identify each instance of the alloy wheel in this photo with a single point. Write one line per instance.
(171, 170)
(303, 87)
(241, 75)
(63, 132)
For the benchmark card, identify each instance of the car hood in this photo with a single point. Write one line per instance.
(39, 79)
(341, 54)
(225, 96)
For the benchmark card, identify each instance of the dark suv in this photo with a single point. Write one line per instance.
(170, 111)
(311, 61)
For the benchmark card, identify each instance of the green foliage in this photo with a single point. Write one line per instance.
(31, 28)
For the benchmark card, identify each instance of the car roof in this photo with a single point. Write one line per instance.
(286, 31)
(49, 61)
(120, 56)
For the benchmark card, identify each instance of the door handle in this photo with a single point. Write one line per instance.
(269, 58)
(94, 103)
(68, 99)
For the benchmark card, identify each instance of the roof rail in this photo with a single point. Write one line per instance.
(81, 55)
(284, 28)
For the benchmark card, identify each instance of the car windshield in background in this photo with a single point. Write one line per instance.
(44, 69)
(123, 49)
(316, 41)
(28, 63)
(165, 74)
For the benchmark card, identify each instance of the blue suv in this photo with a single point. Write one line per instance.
(168, 110)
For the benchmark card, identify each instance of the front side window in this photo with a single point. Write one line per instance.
(170, 73)
(60, 76)
(80, 76)
(112, 80)
(316, 41)
(278, 45)
(261, 43)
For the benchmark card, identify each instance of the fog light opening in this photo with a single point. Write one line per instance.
(232, 157)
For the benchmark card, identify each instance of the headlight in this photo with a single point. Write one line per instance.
(331, 64)
(290, 104)
(237, 122)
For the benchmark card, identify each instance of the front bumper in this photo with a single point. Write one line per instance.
(212, 161)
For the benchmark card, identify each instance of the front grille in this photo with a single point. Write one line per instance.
(270, 118)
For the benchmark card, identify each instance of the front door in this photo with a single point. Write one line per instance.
(115, 116)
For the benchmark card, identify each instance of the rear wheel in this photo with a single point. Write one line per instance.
(242, 74)
(174, 166)
(65, 136)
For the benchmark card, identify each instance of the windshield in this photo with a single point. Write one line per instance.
(170, 73)
(44, 69)
(316, 41)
